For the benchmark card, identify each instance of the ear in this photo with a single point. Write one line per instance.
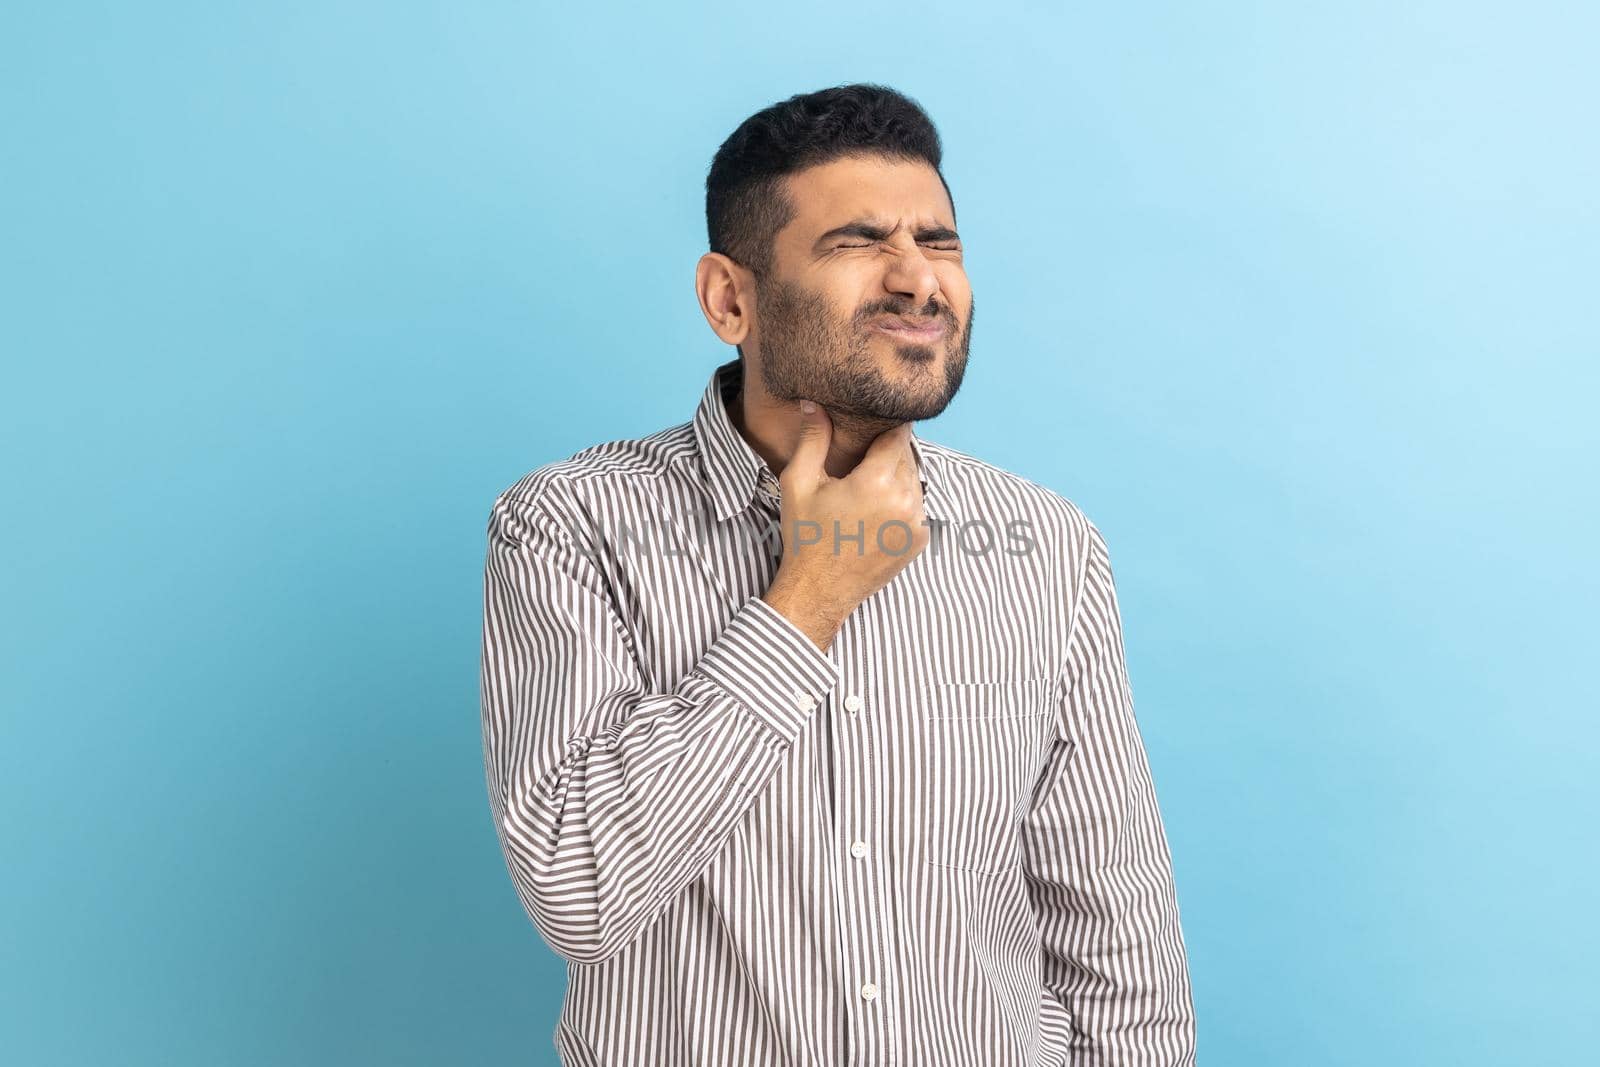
(726, 292)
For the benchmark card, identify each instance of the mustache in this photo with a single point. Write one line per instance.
(932, 311)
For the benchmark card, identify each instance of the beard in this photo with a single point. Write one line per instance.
(806, 351)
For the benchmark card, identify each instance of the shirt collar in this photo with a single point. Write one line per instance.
(733, 470)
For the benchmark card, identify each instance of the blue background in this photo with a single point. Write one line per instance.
(1297, 305)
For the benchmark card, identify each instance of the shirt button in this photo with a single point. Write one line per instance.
(858, 849)
(853, 702)
(869, 992)
(804, 701)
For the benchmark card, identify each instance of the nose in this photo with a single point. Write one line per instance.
(912, 276)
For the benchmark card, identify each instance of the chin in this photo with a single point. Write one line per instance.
(902, 353)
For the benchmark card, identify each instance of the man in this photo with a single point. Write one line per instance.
(809, 740)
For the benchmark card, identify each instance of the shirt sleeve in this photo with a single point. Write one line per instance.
(610, 798)
(1099, 872)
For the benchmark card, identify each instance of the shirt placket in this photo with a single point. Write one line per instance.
(855, 713)
(858, 837)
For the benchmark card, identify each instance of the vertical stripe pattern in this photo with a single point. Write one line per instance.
(935, 843)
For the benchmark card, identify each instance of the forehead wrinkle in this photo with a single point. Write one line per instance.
(877, 222)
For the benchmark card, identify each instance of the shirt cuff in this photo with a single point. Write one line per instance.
(770, 666)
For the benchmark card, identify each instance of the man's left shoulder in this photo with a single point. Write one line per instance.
(983, 487)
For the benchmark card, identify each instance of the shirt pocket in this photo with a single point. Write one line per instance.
(983, 746)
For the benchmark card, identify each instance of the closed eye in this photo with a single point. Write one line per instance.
(935, 247)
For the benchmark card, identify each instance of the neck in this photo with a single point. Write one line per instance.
(770, 426)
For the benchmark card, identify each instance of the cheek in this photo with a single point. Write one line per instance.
(955, 287)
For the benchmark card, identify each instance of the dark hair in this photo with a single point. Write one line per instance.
(745, 202)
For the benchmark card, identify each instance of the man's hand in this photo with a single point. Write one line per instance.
(844, 538)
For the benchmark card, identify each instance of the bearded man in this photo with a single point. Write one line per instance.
(810, 740)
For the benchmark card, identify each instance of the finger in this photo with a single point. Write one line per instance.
(888, 451)
(813, 435)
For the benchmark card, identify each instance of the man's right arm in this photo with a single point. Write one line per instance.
(609, 799)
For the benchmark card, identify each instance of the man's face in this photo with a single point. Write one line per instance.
(868, 310)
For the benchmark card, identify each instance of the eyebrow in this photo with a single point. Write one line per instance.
(869, 230)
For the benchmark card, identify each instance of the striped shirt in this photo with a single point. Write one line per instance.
(935, 843)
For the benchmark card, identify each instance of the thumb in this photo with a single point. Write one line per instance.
(811, 445)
